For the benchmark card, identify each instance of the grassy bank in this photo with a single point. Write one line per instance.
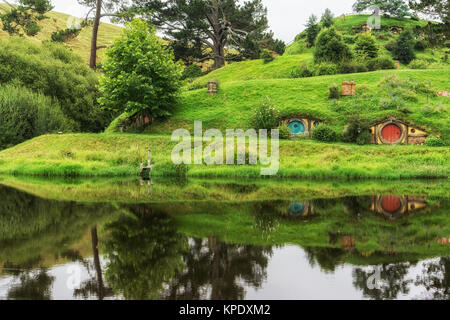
(120, 155)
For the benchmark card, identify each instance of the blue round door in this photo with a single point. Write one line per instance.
(296, 127)
(297, 208)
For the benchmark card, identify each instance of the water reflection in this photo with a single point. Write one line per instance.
(225, 251)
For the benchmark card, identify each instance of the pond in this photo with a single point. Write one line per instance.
(223, 239)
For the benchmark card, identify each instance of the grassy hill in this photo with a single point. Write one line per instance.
(82, 43)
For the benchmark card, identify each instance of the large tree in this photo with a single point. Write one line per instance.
(22, 17)
(396, 8)
(216, 24)
(435, 8)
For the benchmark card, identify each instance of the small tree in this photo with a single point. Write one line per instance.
(312, 30)
(327, 19)
(404, 49)
(22, 19)
(331, 48)
(366, 45)
(140, 75)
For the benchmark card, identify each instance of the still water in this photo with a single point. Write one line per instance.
(57, 244)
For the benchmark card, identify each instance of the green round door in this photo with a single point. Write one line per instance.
(297, 127)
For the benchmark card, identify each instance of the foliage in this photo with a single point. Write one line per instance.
(404, 49)
(325, 68)
(22, 19)
(312, 30)
(396, 8)
(366, 45)
(418, 64)
(381, 63)
(324, 133)
(215, 24)
(331, 48)
(192, 71)
(303, 71)
(434, 142)
(352, 67)
(55, 71)
(140, 75)
(435, 8)
(266, 116)
(65, 34)
(25, 115)
(420, 45)
(267, 56)
(334, 92)
(285, 133)
(356, 131)
(279, 46)
(327, 19)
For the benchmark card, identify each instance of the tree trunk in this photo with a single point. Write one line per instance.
(93, 62)
(219, 56)
(97, 264)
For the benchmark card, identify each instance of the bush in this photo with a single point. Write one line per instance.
(418, 64)
(302, 72)
(447, 43)
(356, 131)
(420, 45)
(324, 133)
(331, 48)
(324, 69)
(381, 63)
(366, 45)
(266, 56)
(349, 39)
(365, 137)
(25, 114)
(266, 116)
(434, 142)
(285, 133)
(391, 45)
(55, 71)
(65, 35)
(347, 67)
(404, 49)
(192, 71)
(334, 92)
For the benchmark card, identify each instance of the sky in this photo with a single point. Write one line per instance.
(286, 17)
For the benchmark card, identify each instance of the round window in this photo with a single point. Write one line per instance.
(297, 127)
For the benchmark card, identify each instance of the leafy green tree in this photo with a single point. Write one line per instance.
(396, 8)
(366, 45)
(404, 49)
(435, 8)
(216, 24)
(327, 19)
(330, 47)
(312, 30)
(23, 18)
(140, 74)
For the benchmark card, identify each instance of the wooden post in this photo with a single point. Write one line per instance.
(397, 64)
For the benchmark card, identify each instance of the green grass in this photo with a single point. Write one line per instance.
(120, 155)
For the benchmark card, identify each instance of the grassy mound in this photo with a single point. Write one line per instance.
(121, 154)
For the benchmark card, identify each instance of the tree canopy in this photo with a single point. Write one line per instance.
(214, 24)
(396, 8)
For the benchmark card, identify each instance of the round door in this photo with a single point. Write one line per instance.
(391, 204)
(391, 133)
(297, 208)
(297, 127)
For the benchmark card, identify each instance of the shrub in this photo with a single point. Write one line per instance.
(324, 133)
(381, 63)
(418, 64)
(65, 35)
(404, 49)
(266, 116)
(365, 137)
(324, 69)
(57, 72)
(331, 48)
(266, 56)
(302, 72)
(285, 133)
(420, 45)
(356, 131)
(447, 43)
(352, 67)
(434, 142)
(334, 92)
(25, 114)
(366, 45)
(391, 45)
(192, 71)
(349, 39)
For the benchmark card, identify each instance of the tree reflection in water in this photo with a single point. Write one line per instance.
(33, 285)
(435, 278)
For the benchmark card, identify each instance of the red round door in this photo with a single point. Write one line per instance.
(391, 133)
(391, 204)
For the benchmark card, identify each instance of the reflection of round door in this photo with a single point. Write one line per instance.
(391, 204)
(391, 133)
(297, 208)
(297, 127)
